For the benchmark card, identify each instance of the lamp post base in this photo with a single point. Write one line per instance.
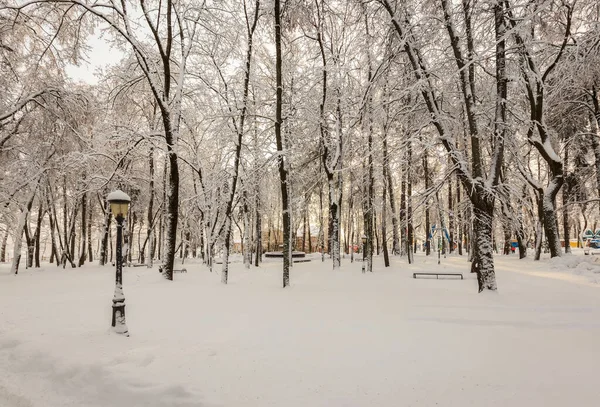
(118, 312)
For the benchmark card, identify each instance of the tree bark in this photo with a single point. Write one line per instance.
(150, 215)
(387, 174)
(450, 217)
(279, 141)
(258, 230)
(483, 256)
(29, 240)
(103, 256)
(83, 233)
(409, 211)
(37, 234)
(403, 228)
(386, 256)
(247, 249)
(18, 238)
(427, 217)
(89, 231)
(3, 247)
(565, 199)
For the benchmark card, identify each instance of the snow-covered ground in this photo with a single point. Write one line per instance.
(333, 339)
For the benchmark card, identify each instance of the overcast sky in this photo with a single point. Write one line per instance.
(101, 55)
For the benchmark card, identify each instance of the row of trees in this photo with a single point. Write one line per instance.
(257, 118)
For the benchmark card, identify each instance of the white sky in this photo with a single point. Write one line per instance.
(100, 56)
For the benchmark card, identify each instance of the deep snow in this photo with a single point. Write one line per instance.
(335, 338)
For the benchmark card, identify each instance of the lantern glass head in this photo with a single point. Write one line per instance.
(363, 238)
(119, 203)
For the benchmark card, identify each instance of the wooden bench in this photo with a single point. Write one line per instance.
(439, 274)
(160, 269)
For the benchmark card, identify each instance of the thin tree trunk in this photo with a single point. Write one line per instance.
(37, 234)
(258, 231)
(521, 243)
(18, 238)
(53, 225)
(459, 219)
(427, 220)
(370, 188)
(304, 231)
(565, 199)
(89, 231)
(283, 175)
(30, 244)
(409, 211)
(321, 224)
(150, 215)
(3, 247)
(83, 233)
(163, 215)
(103, 256)
(386, 256)
(246, 242)
(403, 228)
(238, 125)
(507, 236)
(70, 252)
(539, 227)
(387, 174)
(450, 216)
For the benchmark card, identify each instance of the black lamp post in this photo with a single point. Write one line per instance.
(119, 204)
(364, 250)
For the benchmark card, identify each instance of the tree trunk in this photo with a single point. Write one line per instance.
(238, 125)
(37, 234)
(304, 217)
(539, 226)
(89, 231)
(368, 204)
(172, 213)
(83, 233)
(387, 174)
(483, 260)
(18, 238)
(53, 225)
(226, 246)
(450, 217)
(247, 245)
(279, 141)
(163, 214)
(3, 247)
(150, 215)
(507, 235)
(30, 244)
(321, 224)
(427, 219)
(403, 228)
(565, 199)
(386, 256)
(258, 231)
(103, 256)
(409, 211)
(334, 216)
(521, 242)
(550, 220)
(459, 219)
